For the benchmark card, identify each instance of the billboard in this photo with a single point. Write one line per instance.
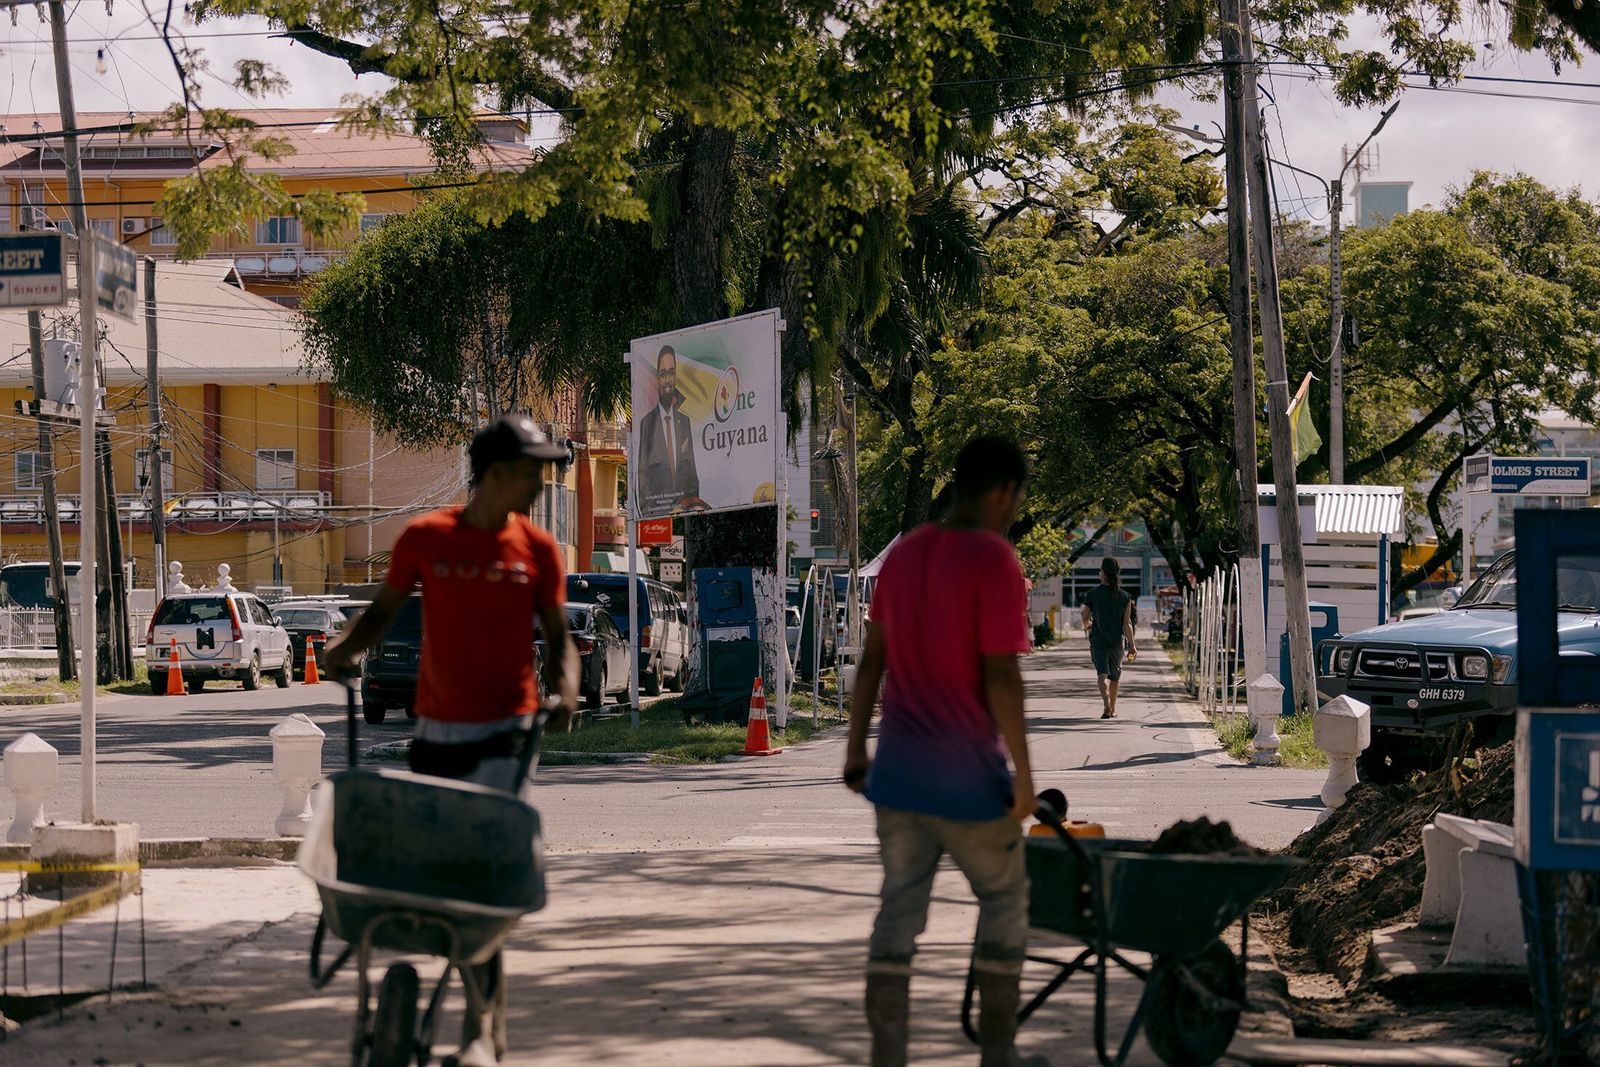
(707, 422)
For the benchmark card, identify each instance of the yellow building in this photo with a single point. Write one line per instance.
(267, 464)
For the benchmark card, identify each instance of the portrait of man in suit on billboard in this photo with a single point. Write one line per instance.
(667, 474)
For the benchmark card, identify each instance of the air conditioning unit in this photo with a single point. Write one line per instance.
(134, 227)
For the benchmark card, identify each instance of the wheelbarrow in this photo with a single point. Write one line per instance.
(1115, 897)
(420, 865)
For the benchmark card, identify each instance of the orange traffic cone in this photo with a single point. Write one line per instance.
(757, 741)
(311, 675)
(174, 672)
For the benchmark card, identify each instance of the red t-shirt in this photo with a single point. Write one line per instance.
(944, 600)
(481, 592)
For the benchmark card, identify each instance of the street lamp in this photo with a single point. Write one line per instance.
(1335, 194)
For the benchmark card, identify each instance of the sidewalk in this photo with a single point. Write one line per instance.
(688, 958)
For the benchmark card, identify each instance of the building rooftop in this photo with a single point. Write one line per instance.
(319, 146)
(209, 329)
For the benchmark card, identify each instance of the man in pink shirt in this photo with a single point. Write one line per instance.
(949, 621)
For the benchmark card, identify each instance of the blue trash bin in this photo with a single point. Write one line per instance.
(1324, 627)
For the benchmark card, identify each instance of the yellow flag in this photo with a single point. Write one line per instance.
(166, 508)
(1306, 438)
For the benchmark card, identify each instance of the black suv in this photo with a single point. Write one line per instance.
(389, 673)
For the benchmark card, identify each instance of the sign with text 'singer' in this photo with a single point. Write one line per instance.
(706, 424)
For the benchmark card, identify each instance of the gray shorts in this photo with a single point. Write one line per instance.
(1107, 661)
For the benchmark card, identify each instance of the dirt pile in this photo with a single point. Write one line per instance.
(1365, 865)
(1199, 837)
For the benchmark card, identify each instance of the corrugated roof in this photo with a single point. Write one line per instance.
(209, 330)
(318, 146)
(1369, 510)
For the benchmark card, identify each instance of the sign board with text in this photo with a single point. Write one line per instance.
(655, 532)
(706, 420)
(116, 271)
(33, 270)
(1528, 475)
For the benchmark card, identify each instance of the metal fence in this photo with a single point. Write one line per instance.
(26, 628)
(1212, 645)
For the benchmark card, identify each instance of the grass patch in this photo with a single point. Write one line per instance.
(663, 735)
(74, 688)
(1296, 748)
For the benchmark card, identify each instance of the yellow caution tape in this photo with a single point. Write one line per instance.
(36, 867)
(17, 929)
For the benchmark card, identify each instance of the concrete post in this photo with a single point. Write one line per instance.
(31, 768)
(1266, 705)
(297, 761)
(1342, 729)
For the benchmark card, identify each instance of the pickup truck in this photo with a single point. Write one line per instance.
(1422, 677)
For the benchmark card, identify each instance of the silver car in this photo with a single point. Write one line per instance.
(226, 634)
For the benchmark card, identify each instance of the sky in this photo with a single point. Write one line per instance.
(1435, 140)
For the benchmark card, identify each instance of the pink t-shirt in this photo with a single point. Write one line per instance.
(945, 599)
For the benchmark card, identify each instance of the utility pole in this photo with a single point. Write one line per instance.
(1243, 345)
(89, 334)
(1336, 308)
(118, 649)
(1296, 600)
(60, 595)
(153, 468)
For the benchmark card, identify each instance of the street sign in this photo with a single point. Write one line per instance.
(671, 571)
(655, 532)
(1528, 475)
(33, 270)
(116, 271)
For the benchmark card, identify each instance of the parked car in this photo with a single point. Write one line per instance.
(304, 622)
(220, 634)
(27, 585)
(663, 629)
(602, 652)
(1423, 676)
(389, 673)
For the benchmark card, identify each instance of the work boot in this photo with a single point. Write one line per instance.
(999, 998)
(888, 1016)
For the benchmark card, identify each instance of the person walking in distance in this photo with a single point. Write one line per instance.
(486, 573)
(949, 622)
(1108, 617)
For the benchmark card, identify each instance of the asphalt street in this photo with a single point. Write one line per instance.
(201, 766)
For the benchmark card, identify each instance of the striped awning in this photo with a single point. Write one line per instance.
(1353, 510)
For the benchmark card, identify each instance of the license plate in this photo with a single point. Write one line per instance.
(1451, 694)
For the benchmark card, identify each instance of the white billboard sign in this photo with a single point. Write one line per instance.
(707, 418)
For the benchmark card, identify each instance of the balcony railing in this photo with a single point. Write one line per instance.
(284, 263)
(608, 437)
(262, 506)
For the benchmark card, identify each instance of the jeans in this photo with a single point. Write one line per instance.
(988, 852)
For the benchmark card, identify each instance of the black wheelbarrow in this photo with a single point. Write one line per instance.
(1114, 897)
(419, 865)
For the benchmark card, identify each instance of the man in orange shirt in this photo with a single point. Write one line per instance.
(486, 572)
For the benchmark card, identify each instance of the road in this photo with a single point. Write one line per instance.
(196, 766)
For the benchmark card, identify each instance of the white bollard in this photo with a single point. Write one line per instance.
(31, 766)
(297, 761)
(1342, 729)
(1265, 700)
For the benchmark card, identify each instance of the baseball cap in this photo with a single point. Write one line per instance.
(512, 437)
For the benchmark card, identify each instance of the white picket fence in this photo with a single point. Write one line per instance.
(26, 628)
(1213, 651)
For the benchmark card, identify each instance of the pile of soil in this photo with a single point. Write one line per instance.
(1200, 837)
(1365, 866)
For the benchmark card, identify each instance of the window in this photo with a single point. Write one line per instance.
(161, 234)
(192, 612)
(106, 228)
(141, 470)
(288, 300)
(30, 471)
(5, 209)
(275, 468)
(278, 230)
(370, 222)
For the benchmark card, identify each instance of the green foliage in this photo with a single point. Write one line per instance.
(1043, 550)
(437, 313)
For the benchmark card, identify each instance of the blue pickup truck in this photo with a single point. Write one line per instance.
(1423, 677)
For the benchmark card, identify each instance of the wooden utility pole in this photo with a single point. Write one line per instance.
(87, 405)
(60, 595)
(153, 468)
(1296, 600)
(1252, 606)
